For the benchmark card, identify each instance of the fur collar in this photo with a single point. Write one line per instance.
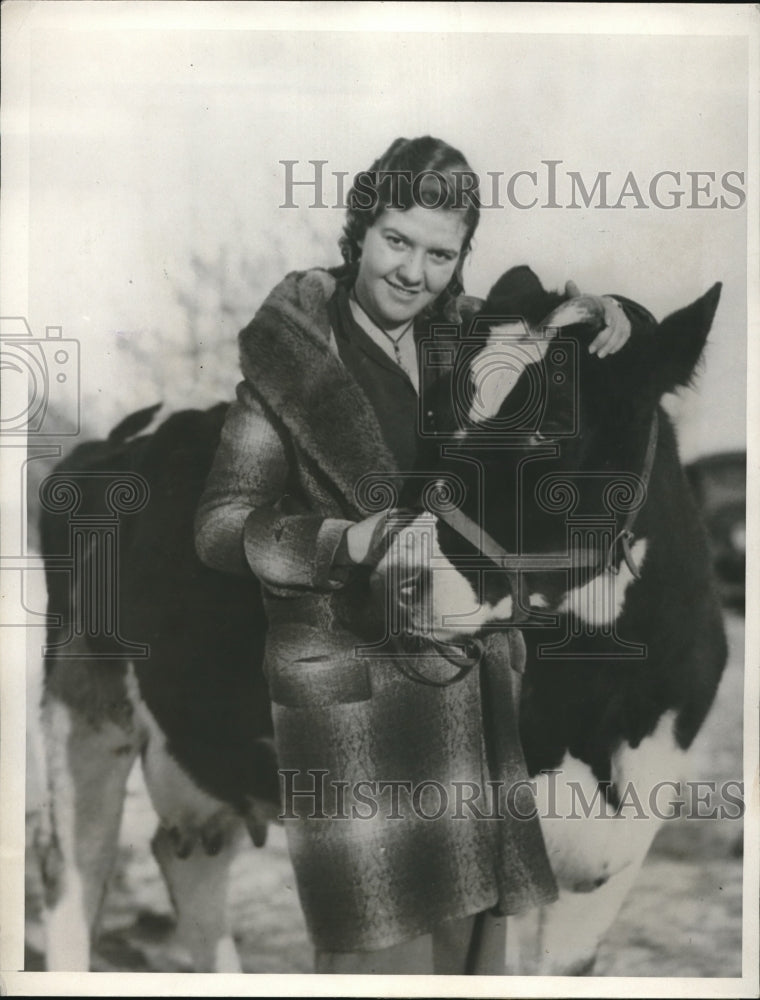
(286, 357)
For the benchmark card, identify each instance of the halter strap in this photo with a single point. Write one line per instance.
(466, 654)
(583, 557)
(626, 534)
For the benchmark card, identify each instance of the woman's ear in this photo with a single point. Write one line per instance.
(354, 253)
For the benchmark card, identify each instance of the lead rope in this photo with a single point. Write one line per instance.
(465, 656)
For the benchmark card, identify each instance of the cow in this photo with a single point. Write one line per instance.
(196, 709)
(564, 509)
(571, 519)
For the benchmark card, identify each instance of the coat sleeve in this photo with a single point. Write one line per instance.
(637, 314)
(244, 521)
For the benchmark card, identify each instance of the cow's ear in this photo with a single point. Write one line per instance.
(515, 284)
(518, 292)
(681, 339)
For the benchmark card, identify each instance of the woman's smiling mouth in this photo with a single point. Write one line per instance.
(401, 290)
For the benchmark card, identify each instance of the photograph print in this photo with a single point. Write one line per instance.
(374, 457)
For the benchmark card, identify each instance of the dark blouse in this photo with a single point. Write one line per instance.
(388, 389)
(386, 385)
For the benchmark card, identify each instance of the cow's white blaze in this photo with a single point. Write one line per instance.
(600, 601)
(511, 348)
(448, 604)
(454, 604)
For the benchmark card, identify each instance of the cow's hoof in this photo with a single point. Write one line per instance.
(182, 842)
(585, 967)
(213, 842)
(257, 831)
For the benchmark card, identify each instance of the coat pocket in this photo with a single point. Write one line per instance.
(306, 667)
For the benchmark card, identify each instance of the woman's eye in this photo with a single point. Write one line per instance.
(395, 241)
(441, 256)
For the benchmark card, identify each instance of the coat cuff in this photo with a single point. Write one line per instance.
(637, 314)
(294, 550)
(332, 563)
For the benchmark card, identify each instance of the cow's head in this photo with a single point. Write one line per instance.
(542, 458)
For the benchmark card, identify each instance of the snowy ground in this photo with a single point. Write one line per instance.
(683, 917)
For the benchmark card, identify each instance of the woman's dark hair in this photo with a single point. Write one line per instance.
(423, 171)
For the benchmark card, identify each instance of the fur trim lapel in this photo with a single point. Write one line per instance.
(286, 358)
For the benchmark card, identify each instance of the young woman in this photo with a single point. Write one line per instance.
(388, 880)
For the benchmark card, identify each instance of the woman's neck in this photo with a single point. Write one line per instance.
(392, 331)
(394, 341)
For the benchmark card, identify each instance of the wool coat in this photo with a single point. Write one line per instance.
(395, 792)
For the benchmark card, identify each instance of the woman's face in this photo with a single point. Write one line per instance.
(408, 258)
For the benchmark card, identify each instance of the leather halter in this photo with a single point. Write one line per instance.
(581, 558)
(626, 534)
(467, 653)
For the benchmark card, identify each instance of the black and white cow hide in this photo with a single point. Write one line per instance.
(541, 438)
(195, 709)
(583, 531)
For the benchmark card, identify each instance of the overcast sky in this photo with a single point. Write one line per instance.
(151, 144)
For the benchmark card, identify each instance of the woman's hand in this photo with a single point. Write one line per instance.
(365, 538)
(617, 328)
(387, 539)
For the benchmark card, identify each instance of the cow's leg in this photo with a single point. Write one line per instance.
(198, 884)
(562, 939)
(91, 742)
(195, 844)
